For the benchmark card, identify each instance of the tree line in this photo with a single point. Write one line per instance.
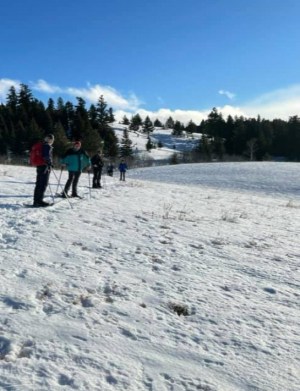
(25, 119)
(251, 138)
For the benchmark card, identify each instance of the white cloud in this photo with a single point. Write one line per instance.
(282, 103)
(43, 86)
(92, 94)
(5, 85)
(183, 116)
(230, 95)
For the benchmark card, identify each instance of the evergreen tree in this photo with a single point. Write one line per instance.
(111, 117)
(102, 115)
(148, 126)
(218, 147)
(169, 123)
(205, 148)
(106, 133)
(111, 145)
(125, 121)
(61, 140)
(177, 129)
(149, 144)
(93, 115)
(294, 138)
(12, 100)
(215, 125)
(191, 127)
(157, 123)
(136, 122)
(25, 98)
(126, 145)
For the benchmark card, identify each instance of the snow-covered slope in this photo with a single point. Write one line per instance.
(170, 144)
(90, 296)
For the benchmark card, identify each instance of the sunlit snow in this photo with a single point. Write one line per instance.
(182, 278)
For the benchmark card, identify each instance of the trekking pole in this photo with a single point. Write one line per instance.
(63, 190)
(90, 191)
(104, 181)
(50, 188)
(58, 183)
(51, 192)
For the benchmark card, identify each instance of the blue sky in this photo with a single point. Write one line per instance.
(158, 57)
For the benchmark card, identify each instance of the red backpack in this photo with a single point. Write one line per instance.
(36, 157)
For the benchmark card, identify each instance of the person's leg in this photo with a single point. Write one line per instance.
(99, 178)
(42, 178)
(95, 172)
(75, 183)
(69, 183)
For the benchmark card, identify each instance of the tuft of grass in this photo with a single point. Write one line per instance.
(179, 309)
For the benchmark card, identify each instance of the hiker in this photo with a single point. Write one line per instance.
(110, 169)
(97, 165)
(41, 157)
(122, 169)
(76, 160)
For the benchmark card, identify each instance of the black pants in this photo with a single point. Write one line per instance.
(42, 179)
(97, 176)
(72, 180)
(122, 175)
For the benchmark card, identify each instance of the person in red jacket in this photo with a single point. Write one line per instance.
(43, 172)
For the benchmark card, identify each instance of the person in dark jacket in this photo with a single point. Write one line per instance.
(76, 160)
(43, 172)
(97, 165)
(122, 169)
(110, 169)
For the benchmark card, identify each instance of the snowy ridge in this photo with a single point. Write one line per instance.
(90, 297)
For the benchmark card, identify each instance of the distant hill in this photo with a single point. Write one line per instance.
(170, 144)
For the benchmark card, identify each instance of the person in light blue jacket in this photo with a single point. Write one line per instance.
(76, 160)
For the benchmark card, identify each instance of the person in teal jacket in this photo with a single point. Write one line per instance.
(76, 160)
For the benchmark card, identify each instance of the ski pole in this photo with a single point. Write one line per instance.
(50, 189)
(104, 181)
(58, 183)
(90, 191)
(63, 190)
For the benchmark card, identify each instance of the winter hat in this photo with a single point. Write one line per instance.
(49, 137)
(77, 144)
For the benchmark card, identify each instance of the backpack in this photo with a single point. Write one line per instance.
(36, 156)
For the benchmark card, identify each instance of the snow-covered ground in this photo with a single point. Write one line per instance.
(90, 295)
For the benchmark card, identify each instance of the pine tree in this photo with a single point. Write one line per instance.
(177, 129)
(191, 127)
(106, 133)
(136, 122)
(126, 145)
(148, 126)
(149, 144)
(125, 121)
(61, 140)
(205, 148)
(111, 117)
(157, 123)
(12, 100)
(169, 123)
(102, 115)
